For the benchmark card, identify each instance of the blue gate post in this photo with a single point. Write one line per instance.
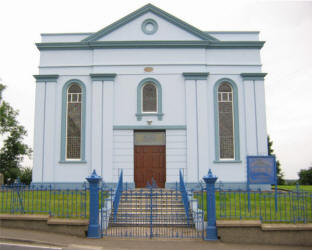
(94, 225)
(211, 230)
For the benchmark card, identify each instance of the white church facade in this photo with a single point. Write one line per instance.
(150, 95)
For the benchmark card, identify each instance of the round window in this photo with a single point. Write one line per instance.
(149, 26)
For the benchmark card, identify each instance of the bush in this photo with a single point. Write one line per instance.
(26, 176)
(305, 176)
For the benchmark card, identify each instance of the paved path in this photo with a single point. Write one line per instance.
(61, 241)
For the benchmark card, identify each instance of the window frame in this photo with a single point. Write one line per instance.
(142, 98)
(235, 117)
(66, 126)
(140, 112)
(63, 156)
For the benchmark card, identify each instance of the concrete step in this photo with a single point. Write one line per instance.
(148, 224)
(146, 209)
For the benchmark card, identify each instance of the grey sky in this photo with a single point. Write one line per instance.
(285, 26)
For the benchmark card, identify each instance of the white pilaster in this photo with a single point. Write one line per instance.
(107, 130)
(261, 117)
(96, 125)
(192, 132)
(203, 127)
(39, 132)
(250, 118)
(49, 132)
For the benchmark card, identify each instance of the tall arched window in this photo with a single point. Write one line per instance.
(226, 116)
(73, 122)
(226, 121)
(149, 97)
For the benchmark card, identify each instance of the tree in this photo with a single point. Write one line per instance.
(305, 176)
(25, 175)
(280, 174)
(13, 149)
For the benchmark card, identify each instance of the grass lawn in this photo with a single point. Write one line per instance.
(58, 203)
(294, 187)
(234, 205)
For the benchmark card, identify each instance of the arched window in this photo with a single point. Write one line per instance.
(149, 97)
(73, 122)
(226, 121)
(227, 133)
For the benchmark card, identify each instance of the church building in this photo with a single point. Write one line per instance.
(150, 95)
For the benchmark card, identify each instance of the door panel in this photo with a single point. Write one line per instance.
(149, 163)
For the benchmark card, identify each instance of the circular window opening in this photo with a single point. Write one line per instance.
(149, 26)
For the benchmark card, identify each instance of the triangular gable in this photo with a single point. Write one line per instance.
(150, 8)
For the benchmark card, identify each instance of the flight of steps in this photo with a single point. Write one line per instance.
(143, 207)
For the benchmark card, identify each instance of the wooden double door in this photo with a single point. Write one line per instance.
(149, 165)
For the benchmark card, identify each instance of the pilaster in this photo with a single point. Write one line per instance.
(102, 124)
(255, 117)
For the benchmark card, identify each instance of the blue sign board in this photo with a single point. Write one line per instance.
(261, 170)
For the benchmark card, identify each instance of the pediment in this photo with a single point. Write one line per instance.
(149, 23)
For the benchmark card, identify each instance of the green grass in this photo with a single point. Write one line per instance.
(234, 205)
(63, 203)
(294, 187)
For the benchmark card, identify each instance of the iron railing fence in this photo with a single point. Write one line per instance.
(149, 213)
(45, 199)
(267, 206)
(117, 195)
(185, 197)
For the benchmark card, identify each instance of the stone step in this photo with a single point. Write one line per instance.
(146, 209)
(167, 197)
(154, 224)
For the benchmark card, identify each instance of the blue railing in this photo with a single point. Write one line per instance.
(118, 195)
(292, 206)
(185, 198)
(44, 199)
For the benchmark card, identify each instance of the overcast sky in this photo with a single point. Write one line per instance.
(286, 57)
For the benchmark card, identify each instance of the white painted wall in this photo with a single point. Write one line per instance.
(133, 32)
(114, 103)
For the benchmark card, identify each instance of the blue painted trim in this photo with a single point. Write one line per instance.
(160, 13)
(103, 77)
(67, 34)
(147, 22)
(195, 75)
(46, 78)
(138, 127)
(151, 44)
(72, 162)
(236, 119)
(253, 76)
(230, 161)
(83, 121)
(159, 112)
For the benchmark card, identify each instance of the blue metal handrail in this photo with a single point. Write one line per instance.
(118, 195)
(185, 198)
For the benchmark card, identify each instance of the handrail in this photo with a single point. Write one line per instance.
(185, 198)
(118, 193)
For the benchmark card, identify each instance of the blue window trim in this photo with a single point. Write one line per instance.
(83, 121)
(236, 122)
(159, 112)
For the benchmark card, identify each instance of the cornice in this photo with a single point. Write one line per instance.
(103, 77)
(253, 76)
(151, 44)
(46, 78)
(195, 75)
